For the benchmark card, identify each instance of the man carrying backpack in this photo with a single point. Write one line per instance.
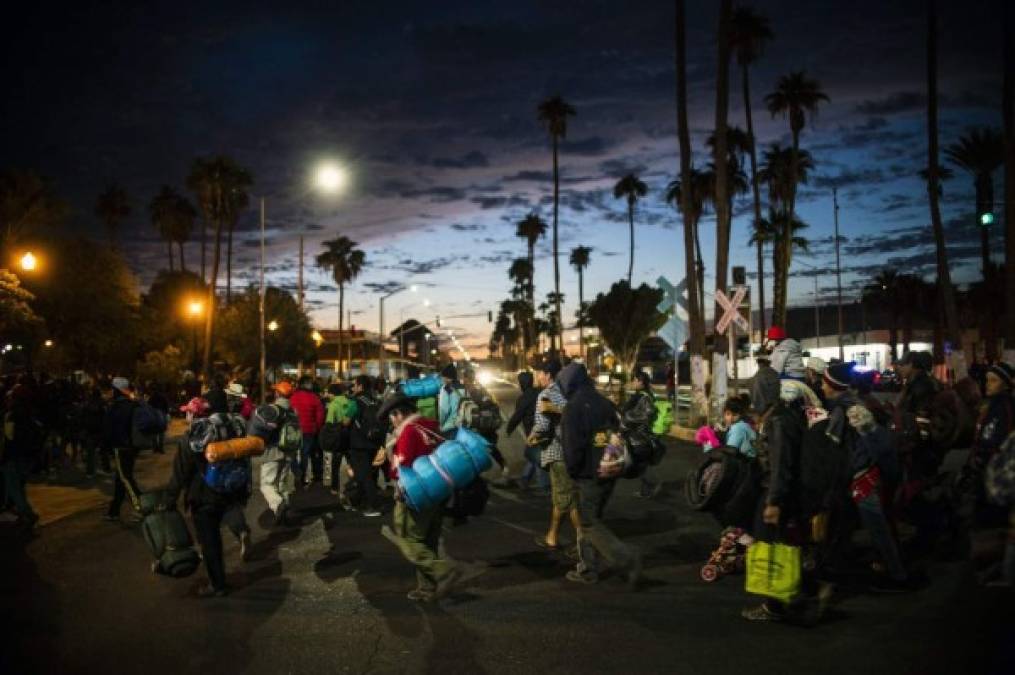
(116, 435)
(485, 416)
(278, 426)
(586, 424)
(366, 437)
(310, 410)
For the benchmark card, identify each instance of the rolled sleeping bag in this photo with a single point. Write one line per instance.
(436, 482)
(433, 478)
(423, 387)
(455, 461)
(416, 498)
(234, 448)
(477, 447)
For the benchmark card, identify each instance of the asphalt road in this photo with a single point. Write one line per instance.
(327, 595)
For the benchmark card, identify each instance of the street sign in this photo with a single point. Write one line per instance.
(673, 333)
(731, 310)
(672, 295)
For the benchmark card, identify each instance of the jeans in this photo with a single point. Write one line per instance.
(207, 527)
(595, 540)
(361, 462)
(533, 468)
(419, 534)
(124, 459)
(310, 454)
(874, 521)
(276, 479)
(16, 470)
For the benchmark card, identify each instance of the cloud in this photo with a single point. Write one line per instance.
(530, 175)
(462, 227)
(592, 146)
(496, 202)
(849, 177)
(471, 160)
(899, 102)
(383, 287)
(435, 194)
(616, 168)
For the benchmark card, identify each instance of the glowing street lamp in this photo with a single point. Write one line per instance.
(29, 262)
(195, 307)
(48, 343)
(273, 325)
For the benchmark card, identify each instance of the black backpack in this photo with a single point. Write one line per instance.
(367, 421)
(470, 500)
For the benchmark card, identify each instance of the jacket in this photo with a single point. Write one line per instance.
(357, 429)
(448, 400)
(586, 413)
(917, 397)
(546, 425)
(116, 425)
(779, 446)
(340, 409)
(638, 414)
(788, 359)
(309, 409)
(415, 437)
(993, 426)
(525, 407)
(764, 389)
(742, 437)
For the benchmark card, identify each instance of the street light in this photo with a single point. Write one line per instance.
(380, 337)
(48, 343)
(273, 325)
(29, 262)
(195, 308)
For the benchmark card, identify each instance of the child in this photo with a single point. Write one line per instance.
(739, 432)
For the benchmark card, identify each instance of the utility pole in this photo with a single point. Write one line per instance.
(838, 268)
(299, 299)
(817, 316)
(264, 383)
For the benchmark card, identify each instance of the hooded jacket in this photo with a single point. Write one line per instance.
(587, 412)
(788, 359)
(309, 409)
(525, 408)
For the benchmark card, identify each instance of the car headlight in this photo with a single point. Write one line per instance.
(484, 377)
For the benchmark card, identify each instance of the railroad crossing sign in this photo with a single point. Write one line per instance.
(672, 295)
(673, 333)
(731, 311)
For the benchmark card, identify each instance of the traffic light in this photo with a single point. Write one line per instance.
(987, 218)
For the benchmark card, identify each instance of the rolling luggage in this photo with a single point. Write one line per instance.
(168, 538)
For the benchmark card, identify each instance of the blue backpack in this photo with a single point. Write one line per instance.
(229, 477)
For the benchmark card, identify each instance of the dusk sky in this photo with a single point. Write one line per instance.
(431, 107)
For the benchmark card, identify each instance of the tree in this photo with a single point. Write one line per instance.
(165, 367)
(778, 174)
(721, 160)
(701, 188)
(580, 260)
(240, 343)
(27, 205)
(184, 216)
(749, 32)
(944, 277)
(112, 208)
(695, 313)
(796, 96)
(163, 211)
(625, 317)
(531, 228)
(774, 227)
(345, 262)
(89, 301)
(240, 201)
(980, 152)
(553, 113)
(165, 315)
(16, 313)
(220, 185)
(631, 188)
(1008, 116)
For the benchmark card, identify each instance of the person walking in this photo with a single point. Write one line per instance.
(116, 436)
(93, 412)
(416, 533)
(586, 424)
(545, 435)
(269, 421)
(310, 410)
(478, 394)
(366, 438)
(156, 398)
(20, 439)
(338, 416)
(448, 401)
(525, 416)
(638, 413)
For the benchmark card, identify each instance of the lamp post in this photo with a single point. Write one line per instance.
(194, 310)
(28, 262)
(381, 335)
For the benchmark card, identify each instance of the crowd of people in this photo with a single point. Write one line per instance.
(822, 457)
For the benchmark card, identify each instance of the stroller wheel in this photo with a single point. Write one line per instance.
(709, 572)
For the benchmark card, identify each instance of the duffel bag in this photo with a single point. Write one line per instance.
(169, 540)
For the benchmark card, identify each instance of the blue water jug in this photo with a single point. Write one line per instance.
(477, 447)
(423, 387)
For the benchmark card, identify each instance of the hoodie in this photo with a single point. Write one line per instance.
(788, 359)
(525, 408)
(586, 413)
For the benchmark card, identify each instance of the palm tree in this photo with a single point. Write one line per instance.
(980, 152)
(883, 291)
(721, 159)
(553, 113)
(218, 182)
(796, 96)
(112, 207)
(531, 228)
(701, 189)
(695, 322)
(184, 216)
(944, 277)
(27, 204)
(580, 260)
(775, 228)
(1008, 114)
(749, 32)
(631, 188)
(163, 213)
(345, 262)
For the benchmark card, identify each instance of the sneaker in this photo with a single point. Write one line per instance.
(760, 613)
(245, 546)
(420, 595)
(371, 513)
(210, 591)
(587, 578)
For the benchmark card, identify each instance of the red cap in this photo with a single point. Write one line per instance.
(776, 333)
(197, 406)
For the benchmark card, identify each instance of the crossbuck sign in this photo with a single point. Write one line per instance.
(730, 310)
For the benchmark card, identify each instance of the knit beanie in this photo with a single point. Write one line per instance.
(838, 376)
(1003, 371)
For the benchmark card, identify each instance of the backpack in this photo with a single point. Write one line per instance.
(145, 424)
(290, 435)
(330, 437)
(367, 421)
(470, 500)
(664, 417)
(824, 468)
(229, 477)
(483, 416)
(427, 407)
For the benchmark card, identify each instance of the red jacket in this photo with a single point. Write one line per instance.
(309, 409)
(418, 438)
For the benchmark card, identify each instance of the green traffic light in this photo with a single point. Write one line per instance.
(987, 218)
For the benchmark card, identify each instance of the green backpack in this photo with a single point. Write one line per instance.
(427, 407)
(664, 417)
(290, 436)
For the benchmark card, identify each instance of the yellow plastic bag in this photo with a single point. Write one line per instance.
(773, 570)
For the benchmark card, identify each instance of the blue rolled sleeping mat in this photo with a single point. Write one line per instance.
(432, 479)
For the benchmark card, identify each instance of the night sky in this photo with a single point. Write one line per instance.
(431, 106)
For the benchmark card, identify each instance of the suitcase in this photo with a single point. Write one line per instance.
(234, 448)
(168, 537)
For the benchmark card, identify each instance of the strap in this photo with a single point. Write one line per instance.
(437, 467)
